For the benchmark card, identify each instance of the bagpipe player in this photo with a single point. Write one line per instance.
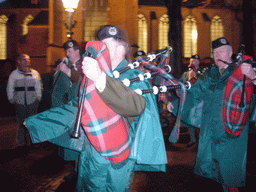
(223, 122)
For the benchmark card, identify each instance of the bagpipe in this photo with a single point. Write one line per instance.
(97, 120)
(154, 71)
(198, 73)
(76, 132)
(146, 75)
(169, 83)
(162, 89)
(238, 95)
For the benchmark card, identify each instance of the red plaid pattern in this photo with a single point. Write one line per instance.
(235, 117)
(233, 189)
(182, 93)
(105, 129)
(164, 60)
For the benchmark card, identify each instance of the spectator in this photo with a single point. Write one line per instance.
(24, 90)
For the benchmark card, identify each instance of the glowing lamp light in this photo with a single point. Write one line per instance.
(70, 7)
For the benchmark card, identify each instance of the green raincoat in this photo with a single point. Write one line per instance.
(64, 90)
(220, 156)
(147, 152)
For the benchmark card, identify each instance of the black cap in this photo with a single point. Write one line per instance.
(112, 31)
(195, 57)
(70, 44)
(219, 42)
(139, 53)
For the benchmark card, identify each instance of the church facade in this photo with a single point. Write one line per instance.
(39, 27)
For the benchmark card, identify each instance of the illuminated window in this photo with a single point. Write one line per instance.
(190, 37)
(142, 33)
(163, 32)
(3, 37)
(95, 17)
(25, 24)
(216, 30)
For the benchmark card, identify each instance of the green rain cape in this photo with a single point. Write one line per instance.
(221, 156)
(148, 149)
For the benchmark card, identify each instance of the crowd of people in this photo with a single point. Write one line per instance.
(120, 130)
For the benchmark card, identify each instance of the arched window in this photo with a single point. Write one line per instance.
(163, 32)
(216, 30)
(142, 33)
(3, 37)
(25, 24)
(95, 17)
(190, 36)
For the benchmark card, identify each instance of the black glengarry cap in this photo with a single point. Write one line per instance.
(112, 31)
(219, 42)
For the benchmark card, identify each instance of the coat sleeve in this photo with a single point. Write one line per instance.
(52, 123)
(123, 100)
(38, 86)
(192, 110)
(10, 87)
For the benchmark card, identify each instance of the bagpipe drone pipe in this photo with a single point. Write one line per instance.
(170, 82)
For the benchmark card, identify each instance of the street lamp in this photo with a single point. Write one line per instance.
(70, 7)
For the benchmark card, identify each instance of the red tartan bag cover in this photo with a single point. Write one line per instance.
(234, 116)
(105, 129)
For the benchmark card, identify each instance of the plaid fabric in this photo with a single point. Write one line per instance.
(233, 189)
(105, 129)
(164, 60)
(235, 117)
(182, 93)
(142, 69)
